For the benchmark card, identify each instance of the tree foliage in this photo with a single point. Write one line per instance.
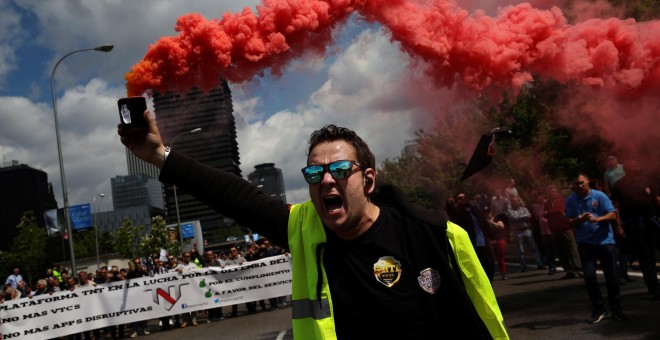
(131, 241)
(28, 250)
(158, 238)
(126, 239)
(84, 242)
(537, 152)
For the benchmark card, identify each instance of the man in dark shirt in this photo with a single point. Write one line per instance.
(370, 254)
(474, 221)
(637, 200)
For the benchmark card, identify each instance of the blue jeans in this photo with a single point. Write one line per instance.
(607, 256)
(526, 237)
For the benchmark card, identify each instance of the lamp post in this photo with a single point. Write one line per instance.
(101, 48)
(176, 201)
(96, 229)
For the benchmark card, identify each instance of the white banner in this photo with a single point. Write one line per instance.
(68, 312)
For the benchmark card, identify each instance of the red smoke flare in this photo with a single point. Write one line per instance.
(477, 50)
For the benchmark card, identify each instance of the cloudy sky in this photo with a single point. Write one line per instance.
(364, 82)
(274, 115)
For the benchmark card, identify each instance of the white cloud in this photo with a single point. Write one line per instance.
(363, 77)
(362, 91)
(91, 150)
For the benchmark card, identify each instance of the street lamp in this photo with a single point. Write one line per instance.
(176, 201)
(96, 229)
(102, 48)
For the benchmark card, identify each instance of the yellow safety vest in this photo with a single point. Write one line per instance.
(313, 316)
(56, 273)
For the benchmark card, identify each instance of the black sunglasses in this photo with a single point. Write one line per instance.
(338, 170)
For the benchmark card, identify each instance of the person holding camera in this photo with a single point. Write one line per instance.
(366, 251)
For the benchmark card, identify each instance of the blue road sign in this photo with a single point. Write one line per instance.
(81, 216)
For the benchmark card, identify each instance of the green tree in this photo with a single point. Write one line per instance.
(539, 150)
(29, 248)
(7, 261)
(641, 10)
(158, 238)
(84, 243)
(126, 239)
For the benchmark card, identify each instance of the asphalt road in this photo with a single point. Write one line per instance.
(535, 305)
(263, 325)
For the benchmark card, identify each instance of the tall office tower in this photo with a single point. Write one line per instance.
(269, 179)
(136, 190)
(23, 189)
(215, 145)
(137, 197)
(138, 166)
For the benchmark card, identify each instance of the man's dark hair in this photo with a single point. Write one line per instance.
(331, 133)
(578, 174)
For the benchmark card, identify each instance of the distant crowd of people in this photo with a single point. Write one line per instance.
(57, 280)
(608, 224)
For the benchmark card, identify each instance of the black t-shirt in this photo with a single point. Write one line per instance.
(635, 197)
(365, 307)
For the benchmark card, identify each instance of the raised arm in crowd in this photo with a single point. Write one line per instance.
(364, 250)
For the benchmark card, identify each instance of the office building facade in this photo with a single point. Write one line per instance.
(23, 189)
(137, 197)
(137, 166)
(269, 179)
(109, 221)
(215, 145)
(136, 190)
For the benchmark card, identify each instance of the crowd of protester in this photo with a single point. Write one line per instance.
(542, 226)
(548, 225)
(58, 279)
(610, 224)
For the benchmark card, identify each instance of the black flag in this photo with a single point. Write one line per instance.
(483, 153)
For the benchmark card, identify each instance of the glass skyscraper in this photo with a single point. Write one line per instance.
(215, 145)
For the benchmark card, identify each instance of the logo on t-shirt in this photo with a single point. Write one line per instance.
(429, 280)
(387, 270)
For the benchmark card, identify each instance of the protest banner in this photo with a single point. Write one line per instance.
(68, 312)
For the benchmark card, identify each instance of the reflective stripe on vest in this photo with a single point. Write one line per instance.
(314, 309)
(312, 314)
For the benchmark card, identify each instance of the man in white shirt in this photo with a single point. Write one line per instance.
(14, 278)
(185, 266)
(84, 281)
(235, 259)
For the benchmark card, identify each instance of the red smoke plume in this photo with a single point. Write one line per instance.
(474, 49)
